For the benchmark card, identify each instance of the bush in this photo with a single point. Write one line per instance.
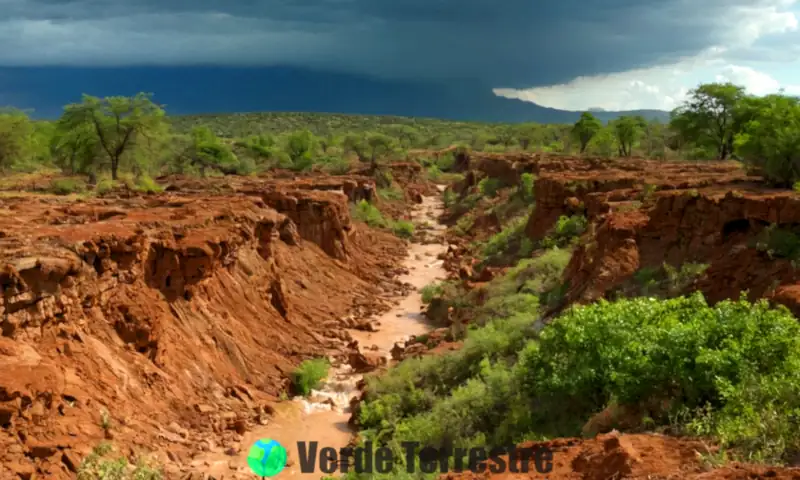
(368, 213)
(736, 362)
(97, 466)
(67, 186)
(566, 231)
(391, 193)
(146, 184)
(489, 186)
(309, 375)
(509, 242)
(403, 229)
(728, 371)
(104, 186)
(449, 198)
(526, 183)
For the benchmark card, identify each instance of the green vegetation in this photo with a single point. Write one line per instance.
(98, 465)
(566, 231)
(585, 129)
(728, 371)
(368, 213)
(309, 375)
(134, 135)
(66, 186)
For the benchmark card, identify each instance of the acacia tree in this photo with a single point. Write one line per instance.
(627, 130)
(355, 144)
(709, 116)
(16, 135)
(379, 145)
(770, 137)
(206, 151)
(586, 128)
(116, 122)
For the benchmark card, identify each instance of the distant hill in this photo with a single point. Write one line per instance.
(195, 90)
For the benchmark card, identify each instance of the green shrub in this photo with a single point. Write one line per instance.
(445, 162)
(434, 173)
(449, 198)
(67, 186)
(507, 242)
(526, 183)
(104, 186)
(431, 291)
(779, 242)
(148, 185)
(97, 466)
(566, 231)
(736, 360)
(728, 371)
(403, 229)
(309, 375)
(489, 186)
(335, 165)
(391, 193)
(368, 213)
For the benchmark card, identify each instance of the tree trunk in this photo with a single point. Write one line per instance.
(114, 167)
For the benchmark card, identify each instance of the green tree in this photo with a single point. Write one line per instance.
(75, 147)
(709, 116)
(379, 145)
(353, 143)
(16, 139)
(407, 135)
(301, 147)
(586, 128)
(117, 122)
(604, 143)
(770, 138)
(206, 151)
(627, 130)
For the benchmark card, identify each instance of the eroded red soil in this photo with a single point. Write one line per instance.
(170, 322)
(636, 456)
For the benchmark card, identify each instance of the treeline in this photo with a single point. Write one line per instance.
(134, 136)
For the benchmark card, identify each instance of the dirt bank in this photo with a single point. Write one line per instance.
(170, 323)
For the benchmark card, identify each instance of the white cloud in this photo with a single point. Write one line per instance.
(665, 87)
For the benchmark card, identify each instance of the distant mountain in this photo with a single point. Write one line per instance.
(193, 90)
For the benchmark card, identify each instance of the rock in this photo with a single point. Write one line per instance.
(203, 408)
(240, 426)
(398, 351)
(416, 349)
(364, 325)
(23, 470)
(366, 362)
(465, 272)
(71, 460)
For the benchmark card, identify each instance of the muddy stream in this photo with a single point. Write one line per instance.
(323, 416)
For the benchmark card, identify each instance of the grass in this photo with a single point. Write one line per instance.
(368, 213)
(309, 375)
(100, 465)
(67, 186)
(403, 229)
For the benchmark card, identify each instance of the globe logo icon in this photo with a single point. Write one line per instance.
(267, 458)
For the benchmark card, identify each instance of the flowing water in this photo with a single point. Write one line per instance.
(323, 416)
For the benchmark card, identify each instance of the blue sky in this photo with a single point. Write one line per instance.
(566, 54)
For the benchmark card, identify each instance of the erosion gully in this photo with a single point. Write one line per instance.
(323, 416)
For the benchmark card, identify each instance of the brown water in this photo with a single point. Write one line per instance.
(314, 418)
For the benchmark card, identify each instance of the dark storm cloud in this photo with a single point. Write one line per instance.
(513, 43)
